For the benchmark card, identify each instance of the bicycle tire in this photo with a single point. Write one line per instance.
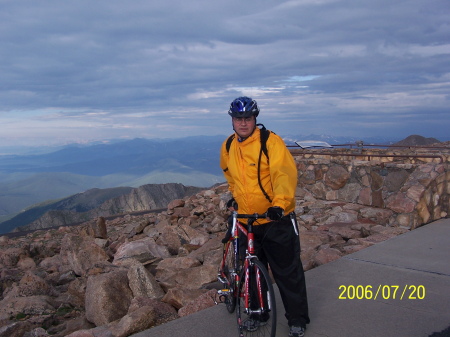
(268, 329)
(228, 271)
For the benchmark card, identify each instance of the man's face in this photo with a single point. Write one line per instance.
(244, 126)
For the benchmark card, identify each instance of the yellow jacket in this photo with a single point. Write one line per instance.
(278, 174)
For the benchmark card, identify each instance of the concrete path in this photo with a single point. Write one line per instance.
(400, 287)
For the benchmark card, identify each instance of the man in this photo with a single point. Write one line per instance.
(260, 184)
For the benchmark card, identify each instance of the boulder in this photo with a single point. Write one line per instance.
(144, 250)
(108, 297)
(179, 297)
(143, 283)
(138, 320)
(163, 312)
(171, 239)
(54, 264)
(30, 305)
(16, 329)
(30, 285)
(77, 292)
(195, 278)
(167, 268)
(344, 230)
(10, 256)
(81, 253)
(326, 255)
(202, 302)
(311, 240)
(176, 203)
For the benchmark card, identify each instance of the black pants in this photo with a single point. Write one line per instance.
(278, 245)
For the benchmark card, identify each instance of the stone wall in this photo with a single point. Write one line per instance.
(412, 189)
(405, 155)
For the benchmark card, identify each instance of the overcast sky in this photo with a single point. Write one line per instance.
(79, 71)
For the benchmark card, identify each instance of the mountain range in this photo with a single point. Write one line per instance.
(31, 185)
(417, 140)
(96, 202)
(26, 180)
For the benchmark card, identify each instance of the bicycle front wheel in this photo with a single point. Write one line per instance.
(229, 273)
(256, 309)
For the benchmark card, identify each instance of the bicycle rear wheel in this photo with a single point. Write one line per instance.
(259, 319)
(228, 272)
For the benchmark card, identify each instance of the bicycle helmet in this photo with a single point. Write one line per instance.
(243, 107)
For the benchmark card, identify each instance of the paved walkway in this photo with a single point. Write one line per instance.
(409, 275)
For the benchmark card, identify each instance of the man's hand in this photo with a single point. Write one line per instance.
(275, 213)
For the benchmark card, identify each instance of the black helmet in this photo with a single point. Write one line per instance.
(243, 107)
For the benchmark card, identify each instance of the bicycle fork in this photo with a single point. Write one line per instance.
(260, 298)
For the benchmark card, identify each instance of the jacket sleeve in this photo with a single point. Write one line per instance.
(224, 156)
(283, 172)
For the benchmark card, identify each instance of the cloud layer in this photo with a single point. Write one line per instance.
(81, 70)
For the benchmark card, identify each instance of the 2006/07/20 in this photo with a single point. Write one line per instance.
(411, 292)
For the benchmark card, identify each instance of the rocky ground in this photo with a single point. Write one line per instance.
(119, 277)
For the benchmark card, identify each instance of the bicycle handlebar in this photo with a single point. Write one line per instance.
(251, 216)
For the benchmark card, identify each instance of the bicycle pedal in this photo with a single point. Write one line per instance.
(224, 292)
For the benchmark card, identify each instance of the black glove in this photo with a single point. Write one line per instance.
(275, 213)
(232, 203)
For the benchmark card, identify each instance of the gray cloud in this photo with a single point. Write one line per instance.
(89, 70)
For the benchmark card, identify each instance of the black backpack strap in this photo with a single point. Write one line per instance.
(264, 134)
(228, 145)
(229, 140)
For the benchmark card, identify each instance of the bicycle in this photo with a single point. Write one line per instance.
(247, 284)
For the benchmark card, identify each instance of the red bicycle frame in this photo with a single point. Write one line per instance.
(237, 226)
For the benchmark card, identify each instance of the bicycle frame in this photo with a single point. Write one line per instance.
(250, 254)
(237, 228)
(248, 291)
